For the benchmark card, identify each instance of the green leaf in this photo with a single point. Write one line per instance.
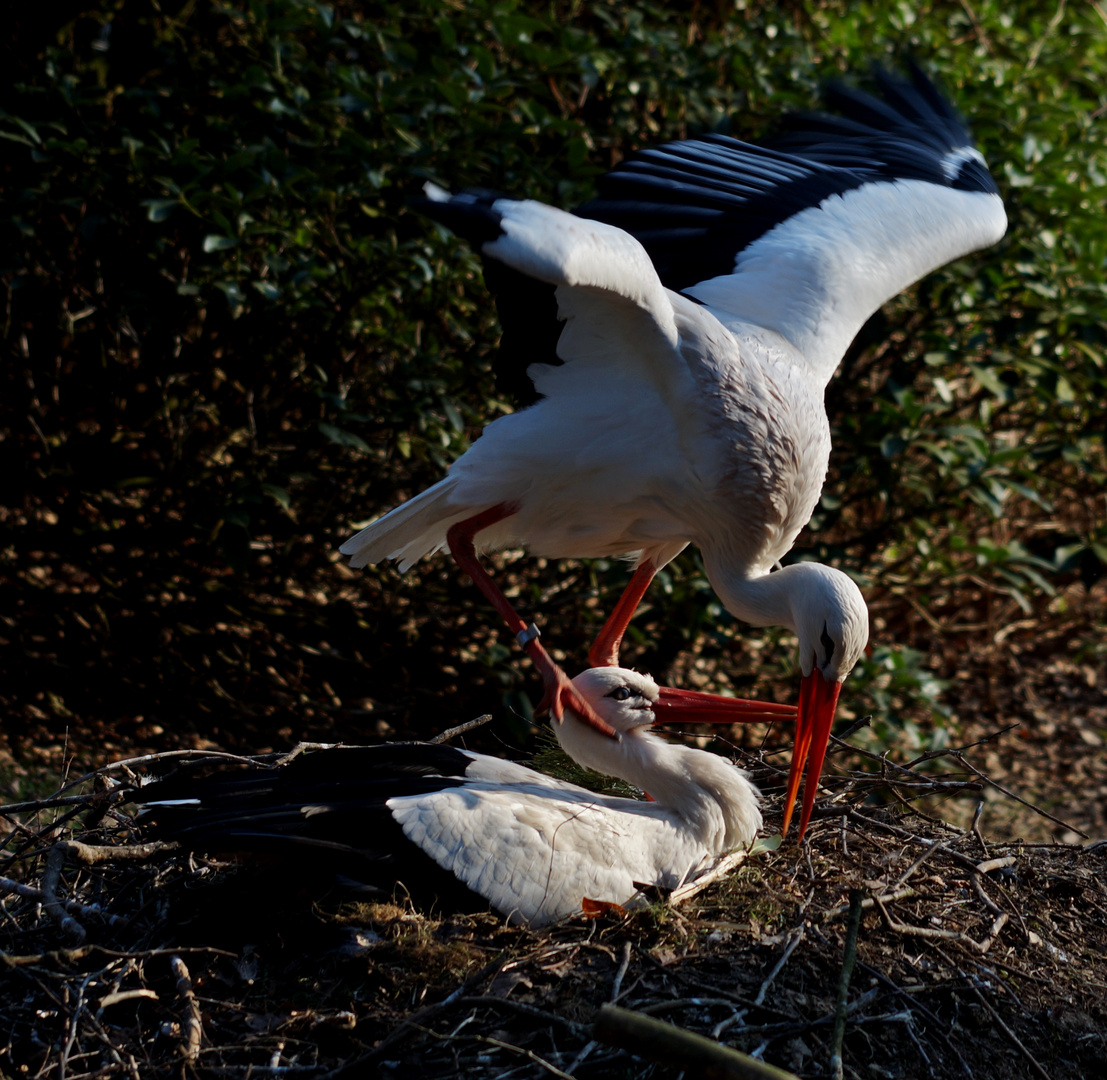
(159, 209)
(343, 438)
(215, 242)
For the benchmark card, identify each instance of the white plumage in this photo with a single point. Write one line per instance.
(533, 847)
(685, 401)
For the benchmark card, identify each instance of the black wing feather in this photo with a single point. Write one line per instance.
(324, 814)
(694, 205)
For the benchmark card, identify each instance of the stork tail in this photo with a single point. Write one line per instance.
(411, 531)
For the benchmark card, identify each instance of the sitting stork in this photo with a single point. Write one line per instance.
(460, 826)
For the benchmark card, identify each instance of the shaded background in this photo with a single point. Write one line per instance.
(228, 342)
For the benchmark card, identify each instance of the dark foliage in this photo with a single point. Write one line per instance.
(229, 338)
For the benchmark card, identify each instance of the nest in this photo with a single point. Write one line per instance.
(887, 944)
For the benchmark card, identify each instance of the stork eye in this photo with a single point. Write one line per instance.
(828, 645)
(621, 693)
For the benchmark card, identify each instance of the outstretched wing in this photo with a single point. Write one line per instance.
(618, 314)
(808, 235)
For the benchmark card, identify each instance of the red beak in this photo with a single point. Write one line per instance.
(818, 700)
(692, 707)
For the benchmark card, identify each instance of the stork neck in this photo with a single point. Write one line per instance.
(760, 599)
(711, 798)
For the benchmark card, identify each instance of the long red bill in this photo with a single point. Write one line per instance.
(818, 700)
(692, 707)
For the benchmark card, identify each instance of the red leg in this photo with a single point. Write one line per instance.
(605, 649)
(560, 692)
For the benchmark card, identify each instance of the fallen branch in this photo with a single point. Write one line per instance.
(1009, 1033)
(696, 1055)
(849, 958)
(87, 855)
(461, 729)
(193, 1027)
(944, 935)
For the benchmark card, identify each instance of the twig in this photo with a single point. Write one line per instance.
(298, 749)
(1019, 799)
(65, 800)
(118, 996)
(945, 935)
(1001, 921)
(708, 877)
(885, 898)
(669, 1004)
(796, 938)
(1036, 51)
(995, 864)
(857, 725)
(975, 826)
(938, 1025)
(549, 1066)
(849, 958)
(88, 855)
(1008, 1032)
(936, 846)
(74, 1021)
(193, 1027)
(68, 958)
(74, 907)
(895, 830)
(461, 729)
(146, 759)
(533, 1012)
(617, 984)
(984, 898)
(360, 1067)
(698, 1056)
(616, 988)
(956, 752)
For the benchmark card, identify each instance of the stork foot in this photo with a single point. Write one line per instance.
(594, 909)
(561, 694)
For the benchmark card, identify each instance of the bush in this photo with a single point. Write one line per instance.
(230, 341)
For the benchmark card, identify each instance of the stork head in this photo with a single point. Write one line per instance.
(628, 700)
(832, 622)
(632, 702)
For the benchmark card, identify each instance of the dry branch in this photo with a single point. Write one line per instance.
(849, 958)
(657, 1041)
(88, 855)
(1015, 1041)
(192, 1026)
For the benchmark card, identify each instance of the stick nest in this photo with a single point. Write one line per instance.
(973, 958)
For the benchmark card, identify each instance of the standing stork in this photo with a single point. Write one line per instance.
(707, 297)
(459, 826)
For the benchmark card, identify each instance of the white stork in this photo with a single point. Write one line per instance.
(685, 401)
(454, 825)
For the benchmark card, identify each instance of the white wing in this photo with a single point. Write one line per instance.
(619, 317)
(535, 853)
(808, 236)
